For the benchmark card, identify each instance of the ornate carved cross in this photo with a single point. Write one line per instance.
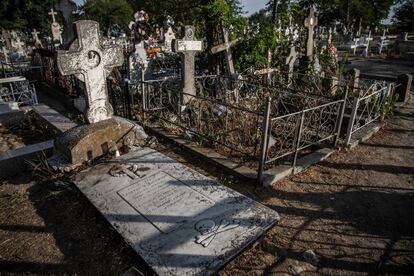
(310, 22)
(91, 62)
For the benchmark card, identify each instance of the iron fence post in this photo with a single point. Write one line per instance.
(143, 92)
(351, 121)
(298, 137)
(340, 118)
(127, 98)
(264, 142)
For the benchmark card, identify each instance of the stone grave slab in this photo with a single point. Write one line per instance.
(178, 220)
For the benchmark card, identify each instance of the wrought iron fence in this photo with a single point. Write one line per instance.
(230, 128)
(289, 134)
(246, 121)
(367, 109)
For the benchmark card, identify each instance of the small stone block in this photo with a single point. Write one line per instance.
(87, 142)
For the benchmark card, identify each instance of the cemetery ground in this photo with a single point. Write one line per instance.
(353, 211)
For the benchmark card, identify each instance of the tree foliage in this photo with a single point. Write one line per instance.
(370, 12)
(108, 12)
(24, 15)
(404, 15)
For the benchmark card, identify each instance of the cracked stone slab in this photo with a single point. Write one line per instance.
(178, 220)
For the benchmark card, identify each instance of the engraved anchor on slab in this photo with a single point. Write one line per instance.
(91, 62)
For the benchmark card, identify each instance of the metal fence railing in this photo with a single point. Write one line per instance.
(367, 109)
(290, 134)
(253, 123)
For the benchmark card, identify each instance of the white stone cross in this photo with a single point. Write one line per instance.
(188, 47)
(310, 22)
(36, 39)
(91, 62)
(19, 45)
(226, 46)
(53, 13)
(35, 35)
(367, 40)
(330, 36)
(56, 29)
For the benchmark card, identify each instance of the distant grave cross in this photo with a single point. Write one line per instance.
(91, 62)
(330, 36)
(53, 13)
(35, 35)
(19, 44)
(188, 47)
(310, 22)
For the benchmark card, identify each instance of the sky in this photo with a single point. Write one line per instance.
(252, 6)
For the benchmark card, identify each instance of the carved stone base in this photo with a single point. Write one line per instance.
(87, 142)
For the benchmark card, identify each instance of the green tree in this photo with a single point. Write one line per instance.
(370, 12)
(108, 13)
(404, 15)
(24, 15)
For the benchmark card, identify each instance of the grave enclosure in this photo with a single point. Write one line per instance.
(262, 126)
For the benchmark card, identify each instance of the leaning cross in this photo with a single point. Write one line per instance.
(91, 62)
(226, 46)
(310, 22)
(188, 47)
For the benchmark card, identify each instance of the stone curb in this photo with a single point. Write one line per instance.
(270, 176)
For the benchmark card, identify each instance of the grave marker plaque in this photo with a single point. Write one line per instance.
(179, 221)
(160, 193)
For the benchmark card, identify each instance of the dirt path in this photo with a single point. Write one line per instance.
(354, 211)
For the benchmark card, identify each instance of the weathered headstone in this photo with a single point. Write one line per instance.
(310, 23)
(91, 62)
(56, 28)
(179, 221)
(188, 46)
(67, 7)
